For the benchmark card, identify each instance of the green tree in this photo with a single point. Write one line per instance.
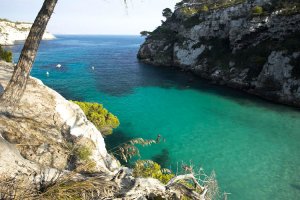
(148, 168)
(5, 55)
(145, 33)
(167, 13)
(205, 8)
(99, 116)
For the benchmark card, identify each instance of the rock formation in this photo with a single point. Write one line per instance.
(15, 31)
(49, 150)
(252, 45)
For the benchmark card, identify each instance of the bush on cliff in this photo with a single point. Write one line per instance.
(167, 13)
(148, 168)
(5, 55)
(205, 8)
(257, 10)
(145, 33)
(99, 116)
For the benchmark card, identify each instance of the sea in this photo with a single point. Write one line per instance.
(252, 145)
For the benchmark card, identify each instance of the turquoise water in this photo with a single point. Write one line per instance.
(252, 145)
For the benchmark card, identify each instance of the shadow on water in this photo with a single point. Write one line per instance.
(118, 137)
(118, 72)
(143, 75)
(68, 94)
(163, 158)
(295, 186)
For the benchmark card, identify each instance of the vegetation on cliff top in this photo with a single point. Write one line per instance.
(99, 116)
(206, 5)
(192, 7)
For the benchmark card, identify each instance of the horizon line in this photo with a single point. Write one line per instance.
(97, 34)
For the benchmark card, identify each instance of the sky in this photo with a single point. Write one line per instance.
(92, 16)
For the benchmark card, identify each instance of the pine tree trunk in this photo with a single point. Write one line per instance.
(17, 84)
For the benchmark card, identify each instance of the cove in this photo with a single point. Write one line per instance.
(251, 144)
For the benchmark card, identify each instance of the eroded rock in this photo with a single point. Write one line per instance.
(231, 45)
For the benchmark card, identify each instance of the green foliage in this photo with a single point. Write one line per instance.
(23, 29)
(128, 149)
(189, 11)
(206, 5)
(99, 116)
(167, 13)
(148, 168)
(145, 33)
(83, 153)
(205, 8)
(5, 55)
(5, 20)
(257, 10)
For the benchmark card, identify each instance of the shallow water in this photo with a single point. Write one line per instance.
(252, 145)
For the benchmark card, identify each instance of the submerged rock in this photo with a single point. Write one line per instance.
(230, 43)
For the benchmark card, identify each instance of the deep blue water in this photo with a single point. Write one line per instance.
(252, 145)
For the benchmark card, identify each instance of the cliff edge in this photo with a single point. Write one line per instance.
(49, 150)
(17, 31)
(252, 45)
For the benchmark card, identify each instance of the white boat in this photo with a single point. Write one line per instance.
(93, 68)
(58, 65)
(47, 73)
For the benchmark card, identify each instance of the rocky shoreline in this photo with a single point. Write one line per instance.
(49, 150)
(10, 32)
(232, 46)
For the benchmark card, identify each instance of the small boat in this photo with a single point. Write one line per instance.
(58, 65)
(93, 68)
(47, 73)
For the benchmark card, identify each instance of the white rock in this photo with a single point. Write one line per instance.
(10, 32)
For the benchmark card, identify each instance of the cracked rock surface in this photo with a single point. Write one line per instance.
(229, 45)
(45, 127)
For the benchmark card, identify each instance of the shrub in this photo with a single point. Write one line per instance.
(148, 168)
(257, 10)
(128, 149)
(99, 116)
(83, 153)
(167, 13)
(145, 33)
(204, 8)
(5, 55)
(189, 11)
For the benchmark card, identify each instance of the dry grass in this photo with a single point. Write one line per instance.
(91, 188)
(128, 149)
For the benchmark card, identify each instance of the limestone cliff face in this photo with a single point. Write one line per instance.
(15, 31)
(38, 142)
(252, 45)
(46, 128)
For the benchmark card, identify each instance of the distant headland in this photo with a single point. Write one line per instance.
(17, 31)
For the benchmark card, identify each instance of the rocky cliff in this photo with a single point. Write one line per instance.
(49, 150)
(46, 128)
(252, 45)
(15, 31)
